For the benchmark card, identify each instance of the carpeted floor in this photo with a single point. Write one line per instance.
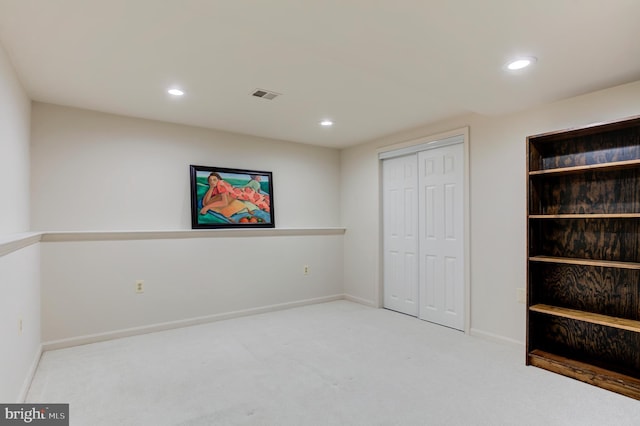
(335, 363)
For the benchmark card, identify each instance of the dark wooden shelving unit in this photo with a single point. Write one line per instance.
(583, 270)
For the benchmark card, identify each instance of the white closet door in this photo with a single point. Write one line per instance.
(441, 174)
(400, 229)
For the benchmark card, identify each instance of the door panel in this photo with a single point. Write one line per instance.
(400, 233)
(441, 243)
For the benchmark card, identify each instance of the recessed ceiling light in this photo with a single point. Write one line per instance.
(520, 63)
(175, 92)
(326, 123)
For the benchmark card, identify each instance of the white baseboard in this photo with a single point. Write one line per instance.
(117, 334)
(32, 371)
(495, 337)
(361, 301)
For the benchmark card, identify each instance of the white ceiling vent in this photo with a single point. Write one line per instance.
(265, 94)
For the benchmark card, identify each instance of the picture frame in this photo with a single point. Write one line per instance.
(231, 198)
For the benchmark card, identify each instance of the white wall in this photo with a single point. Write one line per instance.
(19, 270)
(15, 110)
(95, 171)
(99, 172)
(20, 301)
(498, 185)
(89, 286)
(361, 217)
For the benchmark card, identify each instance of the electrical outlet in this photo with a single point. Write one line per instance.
(306, 270)
(521, 295)
(140, 286)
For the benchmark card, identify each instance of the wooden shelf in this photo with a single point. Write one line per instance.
(615, 322)
(586, 216)
(588, 178)
(586, 262)
(616, 165)
(597, 376)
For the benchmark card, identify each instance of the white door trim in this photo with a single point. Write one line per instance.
(451, 140)
(433, 141)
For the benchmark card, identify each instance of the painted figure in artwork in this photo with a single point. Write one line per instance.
(251, 192)
(219, 197)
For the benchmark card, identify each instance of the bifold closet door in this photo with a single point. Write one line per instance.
(400, 233)
(441, 241)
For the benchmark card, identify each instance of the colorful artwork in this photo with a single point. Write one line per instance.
(231, 198)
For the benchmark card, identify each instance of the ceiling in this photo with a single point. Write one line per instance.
(374, 67)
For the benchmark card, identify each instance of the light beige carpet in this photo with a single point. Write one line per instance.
(335, 363)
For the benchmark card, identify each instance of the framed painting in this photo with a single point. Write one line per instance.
(231, 198)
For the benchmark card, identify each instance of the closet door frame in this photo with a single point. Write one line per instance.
(414, 146)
